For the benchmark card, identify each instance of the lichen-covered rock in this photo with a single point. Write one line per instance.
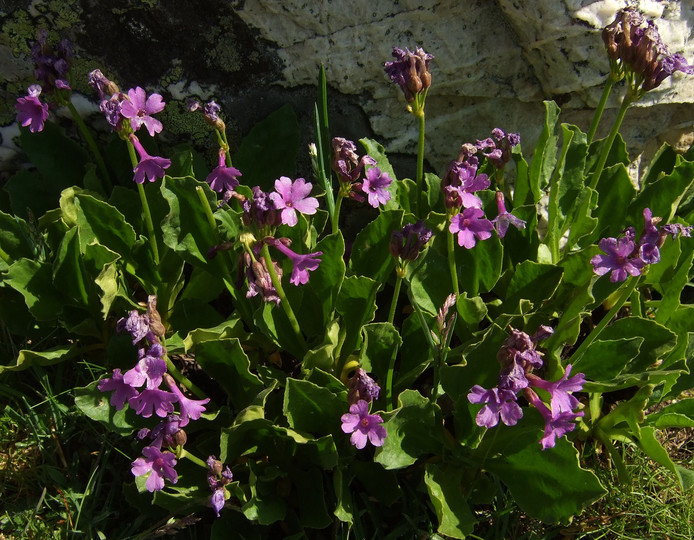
(495, 62)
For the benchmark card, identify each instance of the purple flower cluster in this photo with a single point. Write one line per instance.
(519, 357)
(497, 148)
(634, 44)
(150, 372)
(126, 113)
(31, 111)
(362, 387)
(459, 186)
(349, 168)
(262, 213)
(363, 426)
(218, 476)
(410, 71)
(625, 256)
(52, 64)
(407, 243)
(210, 111)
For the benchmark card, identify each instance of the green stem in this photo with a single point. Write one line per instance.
(394, 301)
(450, 237)
(106, 178)
(284, 301)
(601, 107)
(145, 207)
(389, 379)
(631, 285)
(224, 265)
(182, 379)
(225, 146)
(193, 458)
(336, 213)
(421, 199)
(636, 303)
(607, 144)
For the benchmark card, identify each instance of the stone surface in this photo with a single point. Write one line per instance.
(496, 61)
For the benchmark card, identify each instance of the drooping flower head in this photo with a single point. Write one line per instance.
(407, 243)
(259, 211)
(31, 111)
(259, 280)
(139, 108)
(218, 476)
(292, 197)
(410, 71)
(301, 264)
(505, 218)
(223, 178)
(151, 167)
(160, 465)
(346, 163)
(362, 387)
(363, 426)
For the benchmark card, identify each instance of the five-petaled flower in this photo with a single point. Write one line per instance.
(292, 197)
(139, 108)
(159, 464)
(152, 167)
(363, 426)
(376, 185)
(471, 225)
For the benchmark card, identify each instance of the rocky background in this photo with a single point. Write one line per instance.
(495, 62)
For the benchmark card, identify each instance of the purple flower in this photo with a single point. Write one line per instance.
(505, 218)
(52, 65)
(408, 242)
(410, 71)
(617, 259)
(260, 210)
(152, 167)
(217, 478)
(346, 163)
(139, 108)
(499, 403)
(30, 111)
(290, 197)
(376, 186)
(259, 281)
(362, 387)
(223, 178)
(559, 391)
(673, 229)
(470, 225)
(363, 426)
(150, 369)
(190, 409)
(159, 464)
(153, 400)
(122, 391)
(168, 432)
(136, 324)
(649, 240)
(301, 264)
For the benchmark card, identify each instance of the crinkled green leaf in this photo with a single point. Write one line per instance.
(371, 253)
(445, 486)
(95, 404)
(34, 281)
(311, 408)
(356, 302)
(605, 359)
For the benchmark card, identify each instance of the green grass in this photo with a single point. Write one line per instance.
(63, 476)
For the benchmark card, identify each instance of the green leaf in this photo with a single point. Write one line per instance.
(605, 359)
(270, 149)
(664, 195)
(548, 485)
(104, 223)
(677, 414)
(95, 404)
(185, 228)
(34, 281)
(655, 451)
(380, 340)
(27, 358)
(15, 237)
(531, 281)
(371, 251)
(356, 302)
(444, 484)
(225, 362)
(68, 271)
(658, 340)
(413, 430)
(615, 190)
(313, 409)
(479, 268)
(320, 293)
(544, 157)
(311, 498)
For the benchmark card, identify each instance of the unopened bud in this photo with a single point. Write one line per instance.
(155, 324)
(180, 438)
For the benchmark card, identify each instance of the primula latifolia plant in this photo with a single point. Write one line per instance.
(483, 336)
